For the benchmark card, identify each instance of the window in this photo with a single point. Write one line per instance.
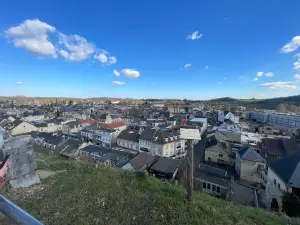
(218, 189)
(208, 186)
(204, 185)
(220, 155)
(275, 181)
(213, 187)
(278, 185)
(220, 160)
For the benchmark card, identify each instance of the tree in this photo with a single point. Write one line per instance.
(134, 112)
(291, 204)
(70, 103)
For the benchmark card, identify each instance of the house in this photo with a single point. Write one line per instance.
(283, 176)
(211, 180)
(274, 149)
(218, 151)
(141, 162)
(266, 129)
(221, 116)
(48, 141)
(129, 139)
(71, 127)
(106, 137)
(32, 117)
(20, 127)
(88, 132)
(114, 159)
(93, 151)
(232, 138)
(69, 148)
(164, 143)
(201, 122)
(232, 118)
(120, 125)
(165, 168)
(247, 165)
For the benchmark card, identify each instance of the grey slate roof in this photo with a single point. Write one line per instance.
(143, 159)
(129, 135)
(212, 170)
(166, 165)
(160, 136)
(230, 136)
(249, 154)
(94, 148)
(288, 169)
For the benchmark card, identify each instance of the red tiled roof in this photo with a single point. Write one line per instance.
(113, 125)
(89, 121)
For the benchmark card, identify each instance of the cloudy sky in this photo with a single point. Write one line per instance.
(150, 49)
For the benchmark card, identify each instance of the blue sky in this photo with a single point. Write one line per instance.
(157, 49)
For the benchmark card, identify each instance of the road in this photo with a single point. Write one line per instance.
(199, 150)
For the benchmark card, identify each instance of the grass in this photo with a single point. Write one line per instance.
(83, 194)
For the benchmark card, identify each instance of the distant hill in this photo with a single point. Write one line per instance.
(270, 103)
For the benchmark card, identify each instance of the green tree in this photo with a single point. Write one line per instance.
(291, 204)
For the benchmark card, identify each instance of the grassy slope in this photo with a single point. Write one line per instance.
(87, 195)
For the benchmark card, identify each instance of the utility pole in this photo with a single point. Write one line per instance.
(190, 133)
(190, 169)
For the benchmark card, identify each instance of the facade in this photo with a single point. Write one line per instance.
(71, 127)
(164, 143)
(23, 127)
(284, 120)
(247, 165)
(218, 152)
(211, 180)
(129, 139)
(221, 116)
(232, 118)
(32, 117)
(283, 176)
(201, 122)
(106, 137)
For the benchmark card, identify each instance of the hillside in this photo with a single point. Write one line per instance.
(83, 194)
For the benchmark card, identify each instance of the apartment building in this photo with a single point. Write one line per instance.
(284, 120)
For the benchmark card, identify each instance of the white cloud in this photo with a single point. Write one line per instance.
(291, 46)
(259, 74)
(225, 78)
(116, 73)
(297, 77)
(206, 67)
(297, 65)
(105, 58)
(220, 83)
(255, 79)
(269, 74)
(279, 85)
(187, 65)
(32, 35)
(297, 56)
(131, 73)
(77, 48)
(94, 89)
(195, 35)
(118, 83)
(19, 82)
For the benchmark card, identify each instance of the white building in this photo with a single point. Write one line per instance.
(221, 116)
(232, 118)
(284, 120)
(201, 122)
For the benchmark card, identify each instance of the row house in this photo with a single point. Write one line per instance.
(108, 133)
(31, 117)
(164, 143)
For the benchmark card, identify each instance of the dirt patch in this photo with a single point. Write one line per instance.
(43, 174)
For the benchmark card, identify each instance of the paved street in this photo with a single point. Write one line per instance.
(199, 150)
